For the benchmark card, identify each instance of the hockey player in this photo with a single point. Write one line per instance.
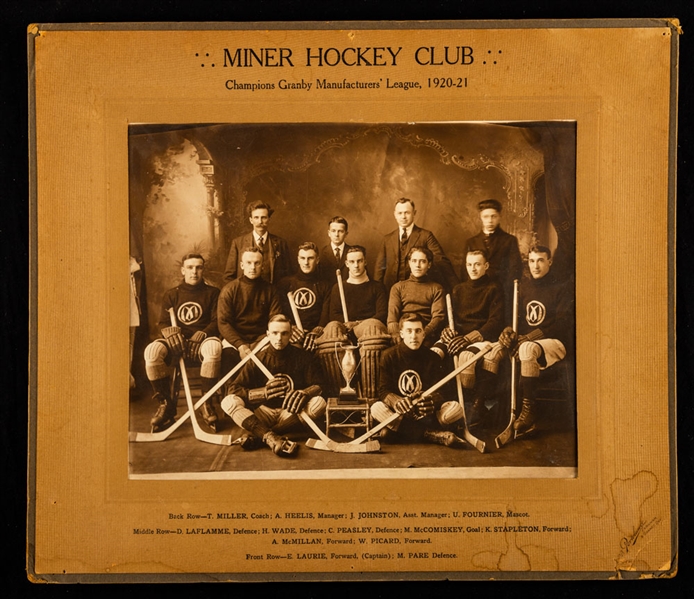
(366, 305)
(392, 265)
(545, 330)
(266, 409)
(505, 262)
(478, 314)
(332, 256)
(245, 306)
(407, 370)
(195, 337)
(311, 293)
(418, 295)
(277, 261)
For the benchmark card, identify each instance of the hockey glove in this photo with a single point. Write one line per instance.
(297, 336)
(531, 336)
(295, 401)
(424, 407)
(310, 339)
(448, 334)
(459, 343)
(508, 338)
(278, 387)
(174, 339)
(194, 344)
(404, 406)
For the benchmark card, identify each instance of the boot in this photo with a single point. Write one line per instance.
(446, 438)
(478, 411)
(164, 417)
(248, 442)
(280, 446)
(525, 423)
(209, 413)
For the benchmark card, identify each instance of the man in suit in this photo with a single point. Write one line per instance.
(332, 256)
(277, 262)
(391, 263)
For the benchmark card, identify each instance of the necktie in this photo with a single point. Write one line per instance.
(403, 237)
(261, 244)
(337, 255)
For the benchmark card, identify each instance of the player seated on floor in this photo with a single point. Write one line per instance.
(194, 337)
(478, 316)
(545, 330)
(266, 409)
(407, 370)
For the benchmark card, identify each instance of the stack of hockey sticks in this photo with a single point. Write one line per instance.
(200, 434)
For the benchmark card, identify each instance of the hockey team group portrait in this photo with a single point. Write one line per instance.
(400, 292)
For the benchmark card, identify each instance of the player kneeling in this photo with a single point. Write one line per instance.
(407, 369)
(265, 400)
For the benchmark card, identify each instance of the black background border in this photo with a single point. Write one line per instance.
(16, 15)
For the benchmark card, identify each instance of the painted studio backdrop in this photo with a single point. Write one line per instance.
(189, 185)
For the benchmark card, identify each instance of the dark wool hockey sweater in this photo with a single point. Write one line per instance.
(364, 300)
(195, 307)
(505, 263)
(396, 361)
(422, 297)
(479, 306)
(302, 366)
(244, 308)
(311, 294)
(547, 304)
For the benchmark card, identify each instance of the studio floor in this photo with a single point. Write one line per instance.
(550, 452)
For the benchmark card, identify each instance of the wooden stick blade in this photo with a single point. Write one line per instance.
(368, 447)
(505, 436)
(317, 444)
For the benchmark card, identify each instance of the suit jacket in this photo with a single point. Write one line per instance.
(277, 262)
(328, 264)
(387, 262)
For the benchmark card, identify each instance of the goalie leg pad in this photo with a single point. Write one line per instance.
(529, 354)
(371, 328)
(333, 335)
(449, 413)
(371, 347)
(380, 412)
(211, 356)
(155, 360)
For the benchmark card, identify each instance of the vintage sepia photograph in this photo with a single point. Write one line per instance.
(398, 304)
(353, 300)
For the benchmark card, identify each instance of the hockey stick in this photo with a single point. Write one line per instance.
(326, 442)
(341, 287)
(454, 373)
(478, 444)
(163, 435)
(200, 434)
(508, 433)
(295, 311)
